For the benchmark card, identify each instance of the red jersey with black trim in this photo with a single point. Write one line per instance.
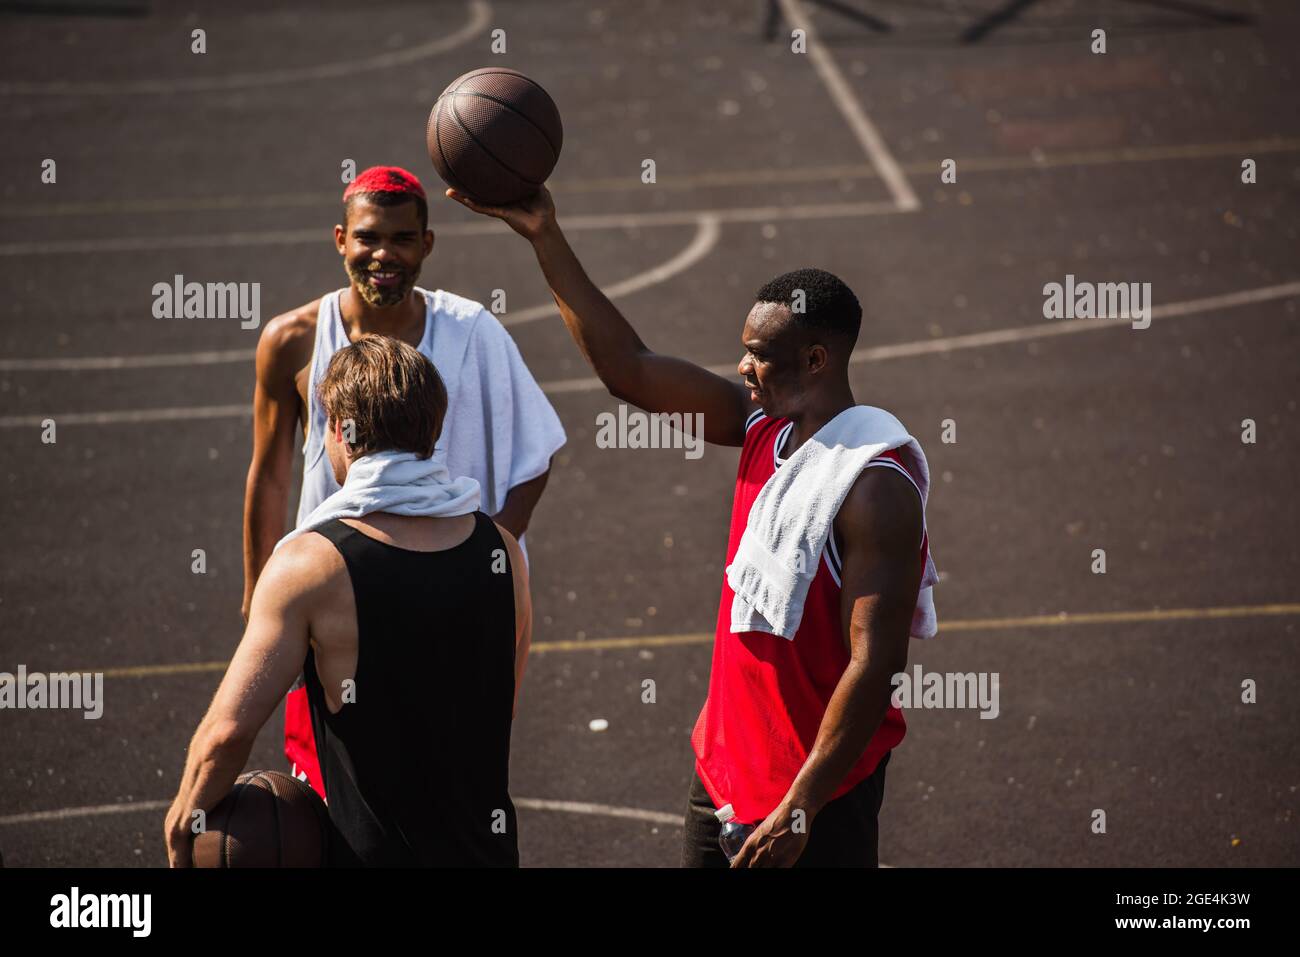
(768, 694)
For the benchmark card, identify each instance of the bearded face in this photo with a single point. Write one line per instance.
(381, 284)
(383, 250)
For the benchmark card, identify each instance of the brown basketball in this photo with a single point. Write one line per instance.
(268, 819)
(494, 135)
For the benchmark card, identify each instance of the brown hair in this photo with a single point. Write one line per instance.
(390, 391)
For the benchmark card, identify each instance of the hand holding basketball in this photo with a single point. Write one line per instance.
(530, 217)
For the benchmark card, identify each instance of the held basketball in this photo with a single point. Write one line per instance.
(268, 819)
(494, 135)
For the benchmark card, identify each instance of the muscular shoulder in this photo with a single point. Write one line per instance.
(300, 571)
(882, 512)
(286, 342)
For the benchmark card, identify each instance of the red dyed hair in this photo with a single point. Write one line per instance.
(388, 186)
(385, 179)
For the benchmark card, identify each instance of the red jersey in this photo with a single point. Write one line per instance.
(767, 694)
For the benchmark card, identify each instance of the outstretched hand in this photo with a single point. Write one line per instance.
(529, 217)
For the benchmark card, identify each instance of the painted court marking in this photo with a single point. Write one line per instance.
(480, 14)
(707, 232)
(1039, 159)
(900, 350)
(530, 804)
(994, 337)
(1060, 620)
(294, 237)
(864, 130)
(1063, 619)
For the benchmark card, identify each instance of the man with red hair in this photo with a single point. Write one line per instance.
(500, 429)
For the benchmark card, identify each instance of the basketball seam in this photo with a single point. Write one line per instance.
(437, 133)
(524, 116)
(489, 71)
(279, 845)
(461, 123)
(225, 830)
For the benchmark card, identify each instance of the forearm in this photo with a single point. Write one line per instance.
(517, 510)
(266, 500)
(211, 769)
(607, 341)
(856, 709)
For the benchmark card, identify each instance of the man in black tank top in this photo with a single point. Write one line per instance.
(412, 631)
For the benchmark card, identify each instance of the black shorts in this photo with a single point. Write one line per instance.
(844, 834)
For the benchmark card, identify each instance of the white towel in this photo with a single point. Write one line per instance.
(500, 426)
(398, 482)
(790, 520)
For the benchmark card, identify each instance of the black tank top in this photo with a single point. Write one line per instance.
(416, 769)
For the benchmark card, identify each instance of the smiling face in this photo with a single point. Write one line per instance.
(383, 248)
(779, 361)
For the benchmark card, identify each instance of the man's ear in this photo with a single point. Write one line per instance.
(428, 242)
(817, 357)
(340, 238)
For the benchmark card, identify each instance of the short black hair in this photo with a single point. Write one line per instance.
(829, 306)
(390, 199)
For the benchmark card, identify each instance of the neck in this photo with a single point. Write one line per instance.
(392, 320)
(809, 420)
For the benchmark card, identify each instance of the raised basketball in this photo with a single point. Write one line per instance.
(268, 819)
(494, 135)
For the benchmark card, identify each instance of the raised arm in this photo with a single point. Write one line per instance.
(275, 417)
(629, 370)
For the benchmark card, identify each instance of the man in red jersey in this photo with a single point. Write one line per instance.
(795, 734)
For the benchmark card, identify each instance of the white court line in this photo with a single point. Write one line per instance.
(702, 243)
(480, 13)
(155, 361)
(66, 813)
(706, 237)
(899, 350)
(996, 337)
(133, 416)
(532, 804)
(528, 804)
(863, 129)
(293, 237)
(1040, 160)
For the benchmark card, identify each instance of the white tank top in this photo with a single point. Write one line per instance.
(317, 475)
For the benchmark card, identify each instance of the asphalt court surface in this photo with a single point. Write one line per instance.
(1116, 168)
